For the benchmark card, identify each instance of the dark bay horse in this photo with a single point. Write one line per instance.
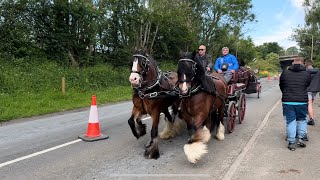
(152, 95)
(199, 108)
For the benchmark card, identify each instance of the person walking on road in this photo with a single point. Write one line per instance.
(311, 95)
(293, 85)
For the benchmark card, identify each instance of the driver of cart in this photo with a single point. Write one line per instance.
(226, 64)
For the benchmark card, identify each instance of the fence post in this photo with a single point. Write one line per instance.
(63, 86)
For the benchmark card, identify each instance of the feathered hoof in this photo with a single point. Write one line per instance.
(179, 125)
(167, 134)
(220, 132)
(206, 135)
(195, 151)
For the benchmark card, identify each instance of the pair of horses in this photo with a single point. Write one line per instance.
(155, 92)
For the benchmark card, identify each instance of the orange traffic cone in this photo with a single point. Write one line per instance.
(275, 77)
(93, 131)
(269, 78)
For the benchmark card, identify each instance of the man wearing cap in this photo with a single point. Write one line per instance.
(226, 64)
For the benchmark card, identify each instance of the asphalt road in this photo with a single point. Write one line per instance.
(47, 147)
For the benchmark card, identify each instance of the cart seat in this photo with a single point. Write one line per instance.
(240, 86)
(234, 78)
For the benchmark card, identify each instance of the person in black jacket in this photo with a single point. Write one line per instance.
(204, 62)
(204, 58)
(311, 95)
(293, 85)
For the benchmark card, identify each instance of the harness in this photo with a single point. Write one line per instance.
(142, 91)
(195, 89)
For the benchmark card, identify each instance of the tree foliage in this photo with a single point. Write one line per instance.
(81, 33)
(311, 31)
(269, 47)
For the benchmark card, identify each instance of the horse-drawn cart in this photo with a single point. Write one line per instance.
(236, 102)
(243, 82)
(254, 85)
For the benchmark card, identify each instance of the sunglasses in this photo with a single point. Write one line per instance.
(200, 49)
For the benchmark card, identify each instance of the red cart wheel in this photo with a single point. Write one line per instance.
(241, 107)
(231, 118)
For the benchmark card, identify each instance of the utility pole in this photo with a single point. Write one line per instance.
(311, 44)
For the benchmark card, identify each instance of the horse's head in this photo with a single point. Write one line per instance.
(139, 67)
(186, 73)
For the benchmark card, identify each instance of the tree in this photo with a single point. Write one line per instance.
(269, 47)
(15, 28)
(220, 19)
(246, 50)
(303, 35)
(292, 51)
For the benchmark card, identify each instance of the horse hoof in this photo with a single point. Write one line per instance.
(151, 154)
(167, 134)
(136, 135)
(142, 129)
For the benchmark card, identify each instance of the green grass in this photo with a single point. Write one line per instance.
(32, 104)
(29, 88)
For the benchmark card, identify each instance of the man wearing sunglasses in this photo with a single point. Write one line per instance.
(226, 64)
(204, 70)
(203, 58)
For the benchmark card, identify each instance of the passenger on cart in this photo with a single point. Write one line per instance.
(226, 64)
(205, 62)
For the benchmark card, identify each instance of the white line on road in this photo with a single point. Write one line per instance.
(233, 168)
(45, 151)
(38, 153)
(160, 175)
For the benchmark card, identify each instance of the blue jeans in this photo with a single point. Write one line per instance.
(227, 75)
(296, 120)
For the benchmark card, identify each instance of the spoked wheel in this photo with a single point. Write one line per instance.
(241, 107)
(231, 118)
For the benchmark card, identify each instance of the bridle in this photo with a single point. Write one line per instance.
(193, 67)
(193, 89)
(145, 63)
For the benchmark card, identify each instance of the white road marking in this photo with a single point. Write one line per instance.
(233, 168)
(38, 153)
(160, 175)
(46, 150)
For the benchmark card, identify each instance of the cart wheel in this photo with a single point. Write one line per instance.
(231, 118)
(241, 108)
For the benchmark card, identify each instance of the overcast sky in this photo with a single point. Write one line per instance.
(276, 20)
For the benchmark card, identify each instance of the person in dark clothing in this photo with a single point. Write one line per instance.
(204, 61)
(203, 58)
(311, 95)
(293, 85)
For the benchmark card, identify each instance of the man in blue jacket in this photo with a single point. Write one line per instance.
(227, 64)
